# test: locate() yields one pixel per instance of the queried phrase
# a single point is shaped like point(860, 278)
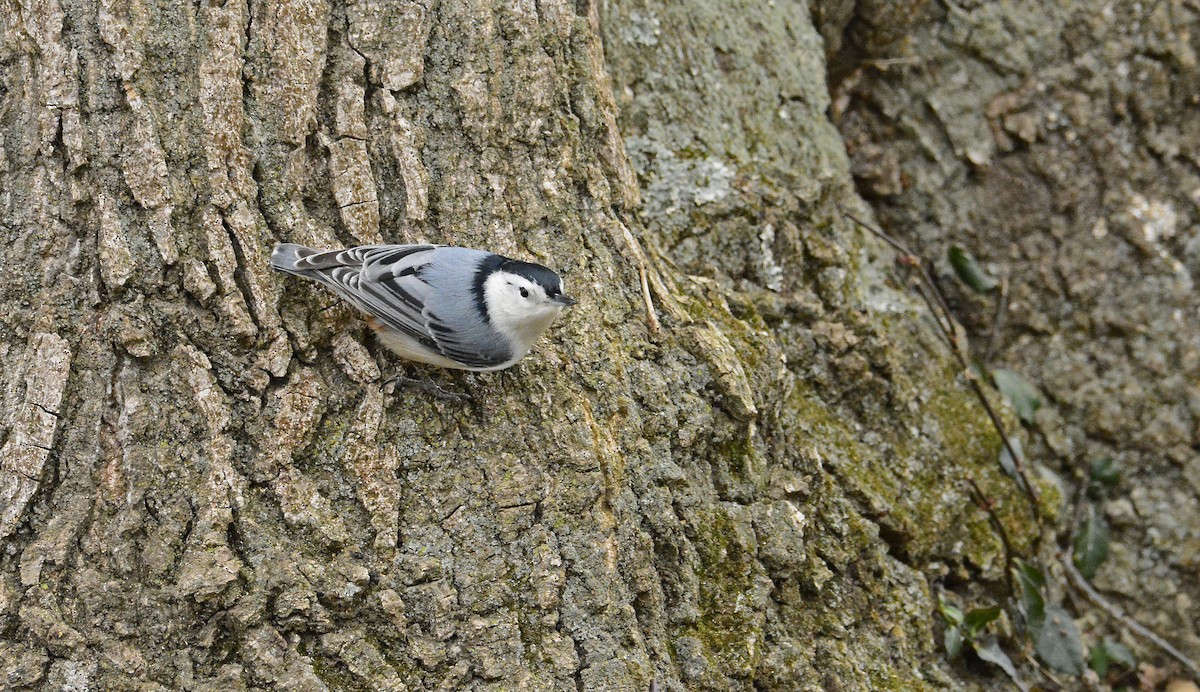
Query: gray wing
point(390, 282)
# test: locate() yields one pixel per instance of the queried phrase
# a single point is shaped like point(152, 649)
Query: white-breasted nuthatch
point(448, 306)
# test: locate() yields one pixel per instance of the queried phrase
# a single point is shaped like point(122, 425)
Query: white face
point(519, 307)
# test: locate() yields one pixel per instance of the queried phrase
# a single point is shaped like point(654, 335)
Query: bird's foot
point(428, 386)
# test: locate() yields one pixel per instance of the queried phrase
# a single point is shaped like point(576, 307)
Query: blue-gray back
point(430, 293)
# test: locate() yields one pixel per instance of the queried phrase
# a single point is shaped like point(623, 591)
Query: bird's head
point(523, 298)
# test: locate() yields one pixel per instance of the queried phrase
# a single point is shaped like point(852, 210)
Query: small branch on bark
point(940, 309)
point(988, 505)
point(1098, 599)
point(997, 320)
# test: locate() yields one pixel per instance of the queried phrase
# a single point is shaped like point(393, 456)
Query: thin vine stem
point(936, 301)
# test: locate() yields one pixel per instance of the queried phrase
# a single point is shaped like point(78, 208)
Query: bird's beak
point(563, 299)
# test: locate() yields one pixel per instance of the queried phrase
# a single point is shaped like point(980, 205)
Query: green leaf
point(950, 613)
point(1024, 397)
point(1105, 472)
point(1032, 603)
point(1006, 460)
point(1091, 543)
point(1058, 644)
point(1098, 660)
point(989, 650)
point(969, 271)
point(1104, 654)
point(1119, 653)
point(978, 618)
point(954, 641)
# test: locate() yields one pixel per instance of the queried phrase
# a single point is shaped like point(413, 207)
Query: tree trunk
point(1058, 142)
point(739, 463)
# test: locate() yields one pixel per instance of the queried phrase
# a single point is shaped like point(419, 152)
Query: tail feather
point(299, 259)
point(285, 256)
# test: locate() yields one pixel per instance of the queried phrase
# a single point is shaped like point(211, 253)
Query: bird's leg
point(470, 383)
point(425, 385)
point(466, 380)
point(506, 375)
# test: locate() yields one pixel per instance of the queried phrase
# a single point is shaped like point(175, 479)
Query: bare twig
point(1018, 460)
point(639, 257)
point(988, 505)
point(941, 332)
point(651, 313)
point(1077, 510)
point(909, 259)
point(946, 324)
point(998, 320)
point(1090, 592)
point(1115, 611)
point(888, 62)
point(1032, 660)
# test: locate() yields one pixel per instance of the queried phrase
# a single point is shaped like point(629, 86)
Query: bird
point(447, 306)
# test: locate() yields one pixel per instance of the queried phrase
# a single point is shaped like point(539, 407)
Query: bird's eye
point(524, 292)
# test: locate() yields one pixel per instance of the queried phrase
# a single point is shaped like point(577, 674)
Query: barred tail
point(285, 256)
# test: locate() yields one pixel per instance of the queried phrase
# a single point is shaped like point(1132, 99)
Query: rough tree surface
point(738, 464)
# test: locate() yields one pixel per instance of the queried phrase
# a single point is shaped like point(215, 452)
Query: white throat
point(521, 320)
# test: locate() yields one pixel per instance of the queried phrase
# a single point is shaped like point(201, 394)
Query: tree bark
point(1057, 141)
point(738, 464)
